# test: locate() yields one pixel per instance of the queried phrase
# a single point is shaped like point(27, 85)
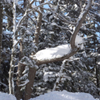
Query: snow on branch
point(52, 53)
point(58, 53)
point(79, 42)
point(62, 52)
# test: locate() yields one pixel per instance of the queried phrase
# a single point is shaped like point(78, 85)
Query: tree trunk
point(38, 26)
point(1, 16)
point(19, 93)
point(79, 23)
point(31, 77)
point(21, 67)
point(12, 63)
point(97, 76)
point(32, 71)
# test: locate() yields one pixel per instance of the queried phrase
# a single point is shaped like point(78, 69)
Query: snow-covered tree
point(48, 33)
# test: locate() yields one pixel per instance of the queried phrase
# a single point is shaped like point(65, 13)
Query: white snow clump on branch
point(59, 51)
point(79, 41)
point(52, 53)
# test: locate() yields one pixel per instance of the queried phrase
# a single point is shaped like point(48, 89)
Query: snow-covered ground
point(5, 96)
point(55, 95)
point(64, 95)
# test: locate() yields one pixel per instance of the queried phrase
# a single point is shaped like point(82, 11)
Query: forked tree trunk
point(32, 71)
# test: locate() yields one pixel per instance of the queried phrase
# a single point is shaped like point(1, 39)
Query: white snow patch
point(15, 42)
point(24, 82)
point(7, 33)
point(98, 63)
point(53, 24)
point(10, 1)
point(47, 75)
point(64, 95)
point(5, 96)
point(51, 53)
point(79, 41)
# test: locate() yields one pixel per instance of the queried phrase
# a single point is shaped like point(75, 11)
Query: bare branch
point(38, 26)
point(32, 2)
point(97, 4)
point(79, 23)
point(27, 12)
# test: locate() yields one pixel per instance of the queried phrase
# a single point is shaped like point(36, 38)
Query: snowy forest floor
point(55, 95)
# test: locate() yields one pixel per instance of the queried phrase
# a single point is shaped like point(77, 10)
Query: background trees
point(41, 24)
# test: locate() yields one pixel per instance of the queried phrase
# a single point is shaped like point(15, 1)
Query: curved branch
point(49, 55)
point(65, 51)
point(79, 23)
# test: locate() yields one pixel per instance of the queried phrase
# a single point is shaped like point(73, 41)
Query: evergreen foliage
point(47, 26)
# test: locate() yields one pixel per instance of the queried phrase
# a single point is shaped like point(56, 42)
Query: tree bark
point(31, 77)
point(20, 94)
point(79, 23)
point(12, 63)
point(1, 17)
